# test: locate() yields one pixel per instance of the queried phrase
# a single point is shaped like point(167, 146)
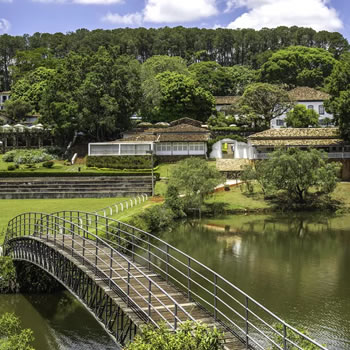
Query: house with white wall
point(311, 99)
point(184, 137)
point(4, 96)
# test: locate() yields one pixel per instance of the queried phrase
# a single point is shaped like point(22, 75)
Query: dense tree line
point(94, 81)
point(225, 46)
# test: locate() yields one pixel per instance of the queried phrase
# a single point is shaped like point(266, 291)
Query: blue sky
point(18, 17)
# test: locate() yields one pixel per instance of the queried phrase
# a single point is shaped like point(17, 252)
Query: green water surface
point(297, 265)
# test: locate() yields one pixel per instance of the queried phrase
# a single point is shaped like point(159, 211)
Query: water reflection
point(58, 320)
point(297, 265)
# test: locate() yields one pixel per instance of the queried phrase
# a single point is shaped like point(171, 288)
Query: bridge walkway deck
point(136, 285)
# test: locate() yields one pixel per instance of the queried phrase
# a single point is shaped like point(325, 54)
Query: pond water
point(59, 322)
point(297, 265)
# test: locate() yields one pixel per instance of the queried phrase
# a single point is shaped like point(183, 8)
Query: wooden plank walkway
point(135, 283)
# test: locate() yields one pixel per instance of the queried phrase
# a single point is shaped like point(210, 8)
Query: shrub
point(27, 156)
point(120, 162)
point(9, 156)
point(157, 218)
point(189, 336)
point(49, 164)
point(11, 167)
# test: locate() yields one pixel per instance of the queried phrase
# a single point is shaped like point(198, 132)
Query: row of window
point(180, 146)
point(321, 110)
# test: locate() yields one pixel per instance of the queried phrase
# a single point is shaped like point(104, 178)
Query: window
point(310, 107)
point(321, 109)
point(196, 146)
point(4, 98)
point(142, 149)
point(127, 149)
point(279, 122)
point(106, 149)
point(164, 147)
point(180, 146)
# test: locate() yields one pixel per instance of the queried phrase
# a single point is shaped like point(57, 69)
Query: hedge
point(120, 162)
point(8, 174)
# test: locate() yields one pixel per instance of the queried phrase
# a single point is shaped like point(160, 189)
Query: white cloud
point(98, 2)
point(82, 2)
point(131, 19)
point(317, 14)
point(171, 11)
point(4, 25)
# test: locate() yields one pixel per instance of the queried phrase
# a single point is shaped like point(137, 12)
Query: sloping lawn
point(9, 208)
point(235, 199)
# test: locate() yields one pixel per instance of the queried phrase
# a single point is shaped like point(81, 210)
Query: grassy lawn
point(12, 207)
point(235, 199)
point(126, 215)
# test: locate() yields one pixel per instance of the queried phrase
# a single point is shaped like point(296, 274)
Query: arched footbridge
point(127, 278)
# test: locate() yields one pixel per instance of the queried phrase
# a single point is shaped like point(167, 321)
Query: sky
point(18, 17)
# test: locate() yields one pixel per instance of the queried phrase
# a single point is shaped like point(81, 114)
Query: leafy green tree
point(298, 66)
point(17, 109)
point(296, 171)
point(223, 81)
point(180, 96)
point(12, 336)
point(94, 94)
point(302, 117)
point(189, 336)
point(263, 102)
point(339, 88)
point(221, 120)
point(7, 275)
point(174, 201)
point(258, 172)
point(150, 85)
point(8, 47)
point(29, 60)
point(240, 77)
point(195, 180)
point(30, 88)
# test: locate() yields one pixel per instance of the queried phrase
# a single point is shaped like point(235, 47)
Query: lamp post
point(151, 153)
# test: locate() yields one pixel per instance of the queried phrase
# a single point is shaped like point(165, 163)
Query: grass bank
point(9, 208)
point(237, 201)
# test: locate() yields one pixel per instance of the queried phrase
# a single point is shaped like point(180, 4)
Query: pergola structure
point(20, 136)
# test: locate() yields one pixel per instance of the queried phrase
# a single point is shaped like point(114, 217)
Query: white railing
point(331, 155)
point(339, 155)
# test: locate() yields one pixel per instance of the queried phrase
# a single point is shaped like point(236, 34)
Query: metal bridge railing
point(103, 259)
point(235, 310)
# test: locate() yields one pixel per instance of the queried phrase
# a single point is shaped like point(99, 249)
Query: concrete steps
point(86, 187)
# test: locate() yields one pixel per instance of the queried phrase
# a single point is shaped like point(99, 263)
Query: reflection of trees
point(268, 256)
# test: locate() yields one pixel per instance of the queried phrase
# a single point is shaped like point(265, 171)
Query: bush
point(49, 164)
point(189, 336)
point(27, 156)
point(11, 168)
point(156, 218)
point(120, 162)
point(9, 156)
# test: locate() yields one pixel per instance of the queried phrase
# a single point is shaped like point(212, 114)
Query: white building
point(184, 137)
point(311, 99)
point(4, 96)
point(231, 149)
